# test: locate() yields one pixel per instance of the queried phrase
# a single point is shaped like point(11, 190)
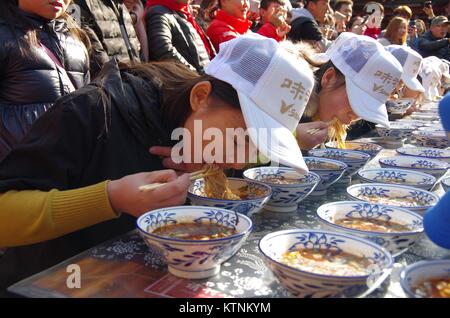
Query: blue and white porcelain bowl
point(398, 129)
point(355, 160)
point(371, 149)
point(435, 139)
point(285, 197)
point(399, 106)
point(397, 176)
point(258, 196)
point(396, 243)
point(445, 183)
point(307, 284)
point(434, 167)
point(328, 170)
point(412, 199)
point(194, 259)
point(426, 152)
point(415, 274)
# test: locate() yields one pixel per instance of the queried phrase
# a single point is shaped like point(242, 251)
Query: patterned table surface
point(124, 267)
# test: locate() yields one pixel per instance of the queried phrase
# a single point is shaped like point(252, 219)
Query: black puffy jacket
point(102, 20)
point(31, 82)
point(172, 37)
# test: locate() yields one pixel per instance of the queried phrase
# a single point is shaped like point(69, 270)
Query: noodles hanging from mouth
point(337, 132)
point(216, 184)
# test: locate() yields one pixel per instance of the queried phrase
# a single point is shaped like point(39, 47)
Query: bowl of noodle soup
point(193, 240)
point(371, 149)
point(289, 187)
point(247, 196)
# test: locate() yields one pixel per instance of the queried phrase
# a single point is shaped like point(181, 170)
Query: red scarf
point(240, 25)
point(184, 8)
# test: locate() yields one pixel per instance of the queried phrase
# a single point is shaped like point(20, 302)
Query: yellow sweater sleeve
point(28, 217)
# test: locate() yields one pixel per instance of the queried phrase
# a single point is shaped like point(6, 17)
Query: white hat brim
point(365, 106)
point(413, 83)
point(281, 145)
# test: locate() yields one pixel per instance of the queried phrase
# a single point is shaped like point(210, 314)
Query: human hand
point(253, 16)
point(429, 12)
point(278, 16)
point(125, 196)
point(359, 29)
point(283, 30)
point(311, 134)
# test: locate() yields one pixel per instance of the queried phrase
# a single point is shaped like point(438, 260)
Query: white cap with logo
point(411, 62)
point(431, 74)
point(273, 88)
point(371, 74)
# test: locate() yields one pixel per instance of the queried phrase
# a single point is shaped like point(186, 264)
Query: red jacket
point(225, 27)
point(373, 32)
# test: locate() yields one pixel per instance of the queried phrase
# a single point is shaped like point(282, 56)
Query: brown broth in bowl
point(433, 288)
point(194, 231)
point(404, 202)
point(324, 262)
point(322, 166)
point(276, 180)
point(372, 225)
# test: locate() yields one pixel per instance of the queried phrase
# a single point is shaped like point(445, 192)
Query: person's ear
point(328, 77)
point(199, 95)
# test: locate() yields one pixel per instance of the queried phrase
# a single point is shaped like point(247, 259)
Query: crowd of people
point(91, 90)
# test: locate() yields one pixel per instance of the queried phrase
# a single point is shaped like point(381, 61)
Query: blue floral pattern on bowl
point(259, 195)
point(194, 258)
point(397, 130)
point(424, 152)
point(399, 106)
point(435, 139)
point(396, 243)
point(434, 167)
point(416, 273)
point(354, 160)
point(371, 149)
point(397, 176)
point(327, 176)
point(423, 198)
point(306, 284)
point(285, 197)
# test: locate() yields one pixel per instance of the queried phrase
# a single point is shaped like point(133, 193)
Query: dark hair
point(11, 14)
point(352, 21)
point(264, 4)
point(340, 3)
point(403, 10)
point(307, 2)
point(177, 81)
point(321, 71)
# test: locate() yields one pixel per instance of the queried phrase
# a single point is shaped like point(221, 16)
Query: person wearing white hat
point(433, 71)
point(356, 81)
point(410, 86)
point(411, 62)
